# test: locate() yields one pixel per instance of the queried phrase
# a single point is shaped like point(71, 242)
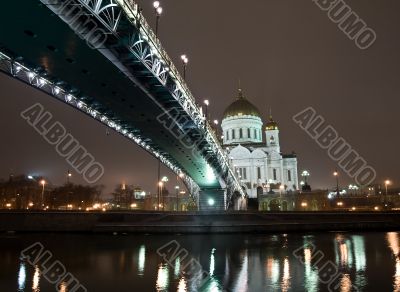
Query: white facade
point(260, 165)
point(234, 132)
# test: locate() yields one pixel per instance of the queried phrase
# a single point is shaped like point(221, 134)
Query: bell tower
point(272, 136)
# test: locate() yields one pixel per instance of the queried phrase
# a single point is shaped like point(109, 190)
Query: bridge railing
point(133, 11)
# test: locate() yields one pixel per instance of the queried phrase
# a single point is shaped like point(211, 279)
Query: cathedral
point(259, 163)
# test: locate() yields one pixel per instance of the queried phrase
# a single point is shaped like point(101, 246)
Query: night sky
point(289, 56)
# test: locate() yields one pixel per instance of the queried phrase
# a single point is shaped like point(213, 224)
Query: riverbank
point(195, 222)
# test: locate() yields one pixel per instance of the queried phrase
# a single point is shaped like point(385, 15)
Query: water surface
point(281, 262)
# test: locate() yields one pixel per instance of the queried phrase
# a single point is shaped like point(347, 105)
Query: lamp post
point(43, 183)
point(163, 181)
point(160, 185)
point(281, 189)
point(387, 182)
point(216, 123)
point(185, 61)
point(69, 175)
point(177, 196)
point(305, 174)
point(207, 103)
point(336, 174)
point(179, 176)
point(158, 10)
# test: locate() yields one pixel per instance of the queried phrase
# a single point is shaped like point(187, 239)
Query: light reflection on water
point(393, 242)
point(21, 277)
point(162, 278)
point(141, 260)
point(366, 261)
point(36, 280)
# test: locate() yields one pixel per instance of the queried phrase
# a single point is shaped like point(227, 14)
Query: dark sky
point(289, 56)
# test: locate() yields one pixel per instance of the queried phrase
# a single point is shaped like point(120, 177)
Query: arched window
point(255, 134)
point(227, 135)
point(233, 134)
point(240, 133)
point(274, 173)
point(248, 133)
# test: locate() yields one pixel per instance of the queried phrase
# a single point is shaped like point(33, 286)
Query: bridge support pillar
point(212, 200)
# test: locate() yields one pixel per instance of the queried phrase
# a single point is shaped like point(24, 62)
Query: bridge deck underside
point(31, 31)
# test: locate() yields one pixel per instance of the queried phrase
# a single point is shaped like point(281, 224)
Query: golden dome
point(271, 124)
point(241, 107)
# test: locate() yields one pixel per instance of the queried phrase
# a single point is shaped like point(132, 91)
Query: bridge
point(102, 58)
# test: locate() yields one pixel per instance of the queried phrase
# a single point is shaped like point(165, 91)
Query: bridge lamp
point(211, 202)
point(207, 103)
point(185, 60)
point(164, 179)
point(181, 175)
point(30, 177)
point(158, 10)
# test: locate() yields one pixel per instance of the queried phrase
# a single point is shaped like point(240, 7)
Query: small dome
point(241, 107)
point(271, 124)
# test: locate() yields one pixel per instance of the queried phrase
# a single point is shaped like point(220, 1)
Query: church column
point(252, 177)
point(266, 174)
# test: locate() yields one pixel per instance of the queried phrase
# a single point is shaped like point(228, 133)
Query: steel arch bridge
point(102, 58)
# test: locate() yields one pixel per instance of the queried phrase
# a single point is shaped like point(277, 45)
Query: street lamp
point(336, 174)
point(158, 10)
point(69, 175)
point(387, 182)
point(216, 123)
point(207, 103)
point(185, 60)
point(305, 174)
point(177, 197)
point(163, 181)
point(160, 185)
point(43, 183)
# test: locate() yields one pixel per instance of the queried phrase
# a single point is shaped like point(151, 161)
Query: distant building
point(261, 166)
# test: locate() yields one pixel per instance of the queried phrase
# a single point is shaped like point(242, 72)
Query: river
point(343, 261)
